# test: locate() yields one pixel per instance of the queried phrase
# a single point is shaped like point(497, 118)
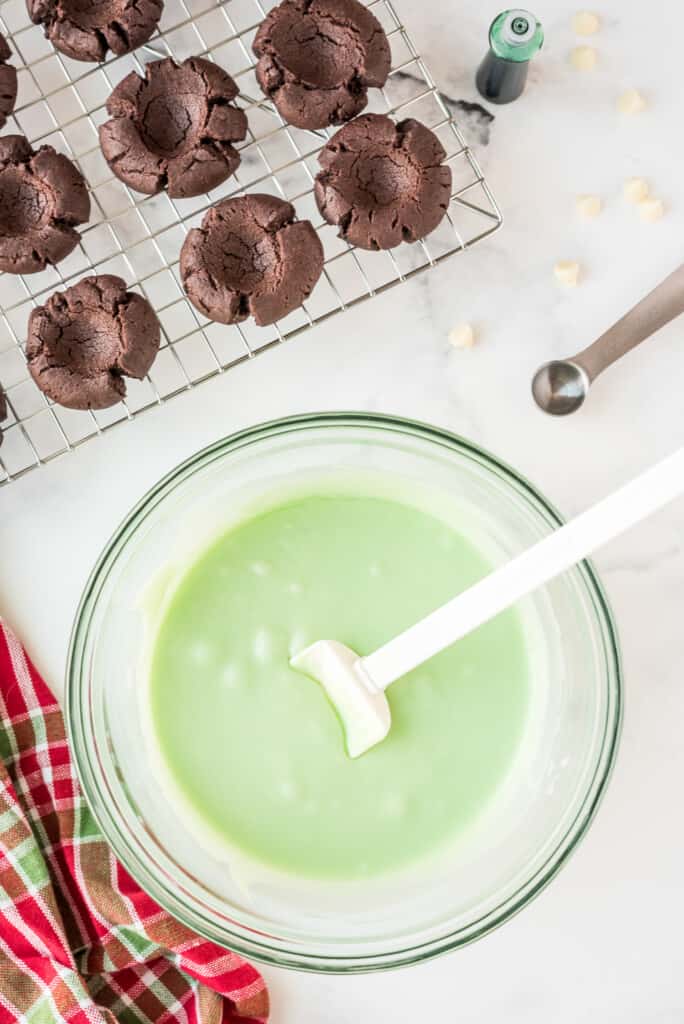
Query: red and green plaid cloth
point(79, 941)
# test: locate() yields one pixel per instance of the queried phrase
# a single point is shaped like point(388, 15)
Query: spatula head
point(363, 711)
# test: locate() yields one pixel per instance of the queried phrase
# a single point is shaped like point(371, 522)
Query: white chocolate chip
point(631, 102)
point(567, 272)
point(583, 58)
point(651, 210)
point(635, 190)
point(588, 207)
point(462, 336)
point(586, 23)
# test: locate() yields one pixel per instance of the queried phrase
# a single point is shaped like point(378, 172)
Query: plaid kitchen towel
point(79, 941)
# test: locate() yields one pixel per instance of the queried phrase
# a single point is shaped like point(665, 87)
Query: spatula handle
point(553, 555)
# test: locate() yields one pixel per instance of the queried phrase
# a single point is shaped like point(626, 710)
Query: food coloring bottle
point(514, 38)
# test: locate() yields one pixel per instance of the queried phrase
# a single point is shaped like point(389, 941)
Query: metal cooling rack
point(62, 102)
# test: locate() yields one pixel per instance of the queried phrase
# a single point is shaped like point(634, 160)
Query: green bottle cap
point(516, 35)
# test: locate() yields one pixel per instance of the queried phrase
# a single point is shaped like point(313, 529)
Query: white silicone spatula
point(356, 685)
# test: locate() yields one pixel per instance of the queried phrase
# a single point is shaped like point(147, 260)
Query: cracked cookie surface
point(8, 82)
point(85, 340)
point(383, 183)
point(88, 29)
point(318, 58)
point(174, 129)
point(250, 258)
point(42, 198)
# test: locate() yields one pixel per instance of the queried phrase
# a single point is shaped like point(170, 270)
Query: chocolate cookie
point(3, 410)
point(85, 340)
point(174, 128)
point(383, 183)
point(249, 258)
point(317, 59)
point(8, 82)
point(87, 29)
point(42, 197)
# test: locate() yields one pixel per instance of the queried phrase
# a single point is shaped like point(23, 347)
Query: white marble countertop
point(603, 943)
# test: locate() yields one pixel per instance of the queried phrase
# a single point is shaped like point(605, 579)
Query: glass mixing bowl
point(499, 864)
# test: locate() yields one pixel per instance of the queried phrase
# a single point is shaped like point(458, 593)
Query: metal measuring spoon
point(560, 387)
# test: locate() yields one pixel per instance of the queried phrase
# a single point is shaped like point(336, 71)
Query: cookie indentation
point(318, 58)
point(84, 341)
point(24, 201)
point(42, 198)
point(383, 183)
point(250, 258)
point(174, 129)
point(88, 29)
point(8, 82)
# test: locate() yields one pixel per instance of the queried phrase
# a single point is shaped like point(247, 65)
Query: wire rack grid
point(61, 102)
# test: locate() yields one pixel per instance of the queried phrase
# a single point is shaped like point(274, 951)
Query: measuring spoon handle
point(655, 310)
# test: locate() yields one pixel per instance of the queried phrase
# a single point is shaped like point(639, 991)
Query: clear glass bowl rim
point(86, 757)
